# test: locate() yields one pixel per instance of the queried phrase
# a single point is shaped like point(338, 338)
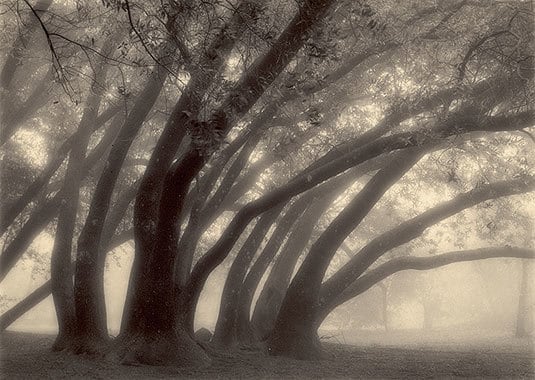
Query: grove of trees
point(309, 145)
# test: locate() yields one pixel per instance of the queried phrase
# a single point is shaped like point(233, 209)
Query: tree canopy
point(321, 144)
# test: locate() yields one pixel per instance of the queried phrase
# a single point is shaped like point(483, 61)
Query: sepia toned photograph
point(267, 189)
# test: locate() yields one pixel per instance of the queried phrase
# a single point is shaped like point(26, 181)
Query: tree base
point(92, 345)
point(296, 345)
point(159, 348)
point(63, 342)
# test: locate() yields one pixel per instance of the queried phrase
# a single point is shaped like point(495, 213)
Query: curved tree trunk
point(245, 332)
point(272, 294)
point(399, 264)
point(339, 284)
point(225, 333)
point(297, 315)
point(90, 258)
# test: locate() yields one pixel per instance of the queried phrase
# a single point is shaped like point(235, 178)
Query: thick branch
point(399, 264)
point(414, 227)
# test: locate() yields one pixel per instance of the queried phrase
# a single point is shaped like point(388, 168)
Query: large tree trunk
point(297, 315)
point(147, 205)
point(153, 256)
point(90, 258)
point(157, 336)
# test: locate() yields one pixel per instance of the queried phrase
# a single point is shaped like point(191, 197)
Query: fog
point(267, 189)
point(466, 302)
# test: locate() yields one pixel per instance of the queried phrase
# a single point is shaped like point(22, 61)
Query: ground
point(371, 355)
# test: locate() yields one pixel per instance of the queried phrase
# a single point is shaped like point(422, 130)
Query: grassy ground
point(373, 355)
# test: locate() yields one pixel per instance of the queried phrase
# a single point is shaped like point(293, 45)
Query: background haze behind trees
point(299, 164)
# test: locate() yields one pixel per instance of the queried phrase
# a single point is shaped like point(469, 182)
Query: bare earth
point(27, 356)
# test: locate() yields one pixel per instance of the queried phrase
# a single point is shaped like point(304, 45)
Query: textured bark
point(157, 336)
point(90, 258)
point(302, 298)
point(60, 266)
point(147, 205)
point(250, 87)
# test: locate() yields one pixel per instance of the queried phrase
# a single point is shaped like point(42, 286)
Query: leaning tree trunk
point(245, 332)
point(108, 242)
point(270, 298)
point(294, 334)
point(60, 269)
point(90, 258)
point(45, 212)
point(225, 333)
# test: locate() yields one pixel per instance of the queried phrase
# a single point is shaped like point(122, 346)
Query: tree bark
point(90, 258)
point(297, 314)
point(60, 266)
point(149, 196)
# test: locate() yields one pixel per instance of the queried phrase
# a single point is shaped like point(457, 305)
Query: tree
point(294, 122)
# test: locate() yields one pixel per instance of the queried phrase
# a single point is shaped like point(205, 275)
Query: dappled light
point(267, 189)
